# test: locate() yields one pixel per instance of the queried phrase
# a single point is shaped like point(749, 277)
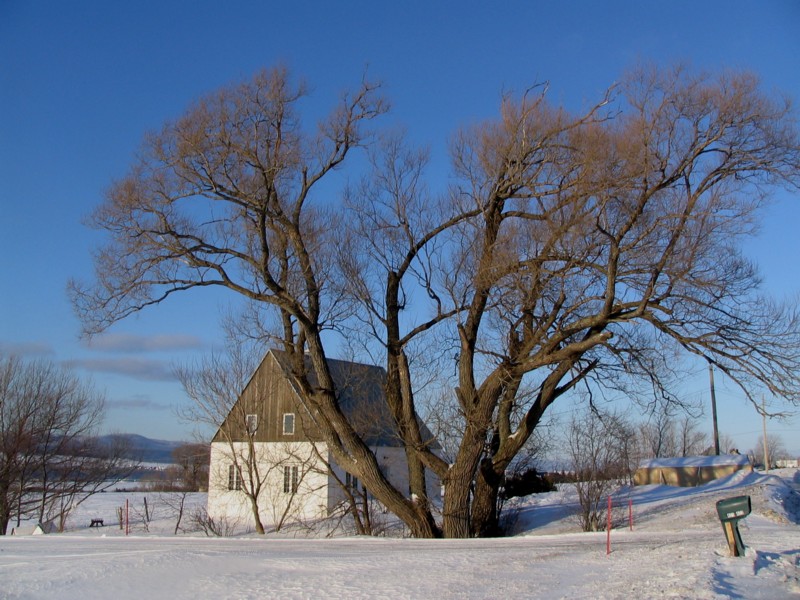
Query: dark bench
point(97, 523)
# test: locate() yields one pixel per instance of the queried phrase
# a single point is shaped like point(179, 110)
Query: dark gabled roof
point(360, 392)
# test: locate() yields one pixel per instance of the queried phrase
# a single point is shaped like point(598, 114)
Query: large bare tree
point(570, 251)
point(622, 246)
point(585, 249)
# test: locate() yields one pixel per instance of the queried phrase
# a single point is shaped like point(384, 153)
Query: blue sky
point(81, 82)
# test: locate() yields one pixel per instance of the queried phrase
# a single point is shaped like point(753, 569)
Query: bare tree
point(666, 434)
point(776, 450)
point(597, 447)
point(726, 443)
point(604, 245)
point(570, 251)
point(243, 156)
point(192, 461)
point(214, 385)
point(658, 436)
point(72, 472)
point(219, 527)
point(175, 504)
point(690, 441)
point(50, 459)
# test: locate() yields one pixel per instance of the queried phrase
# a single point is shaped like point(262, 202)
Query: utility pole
point(764, 436)
point(713, 407)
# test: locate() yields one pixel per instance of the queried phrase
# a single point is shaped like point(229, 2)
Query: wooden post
point(730, 534)
point(764, 426)
point(630, 513)
point(713, 407)
point(608, 529)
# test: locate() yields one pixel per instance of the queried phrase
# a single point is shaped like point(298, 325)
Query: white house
point(267, 449)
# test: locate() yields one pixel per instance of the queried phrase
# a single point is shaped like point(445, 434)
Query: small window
point(234, 478)
point(351, 482)
point(252, 423)
point(290, 479)
point(288, 424)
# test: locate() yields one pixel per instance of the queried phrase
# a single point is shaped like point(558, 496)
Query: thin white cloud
point(132, 343)
point(137, 368)
point(27, 348)
point(137, 402)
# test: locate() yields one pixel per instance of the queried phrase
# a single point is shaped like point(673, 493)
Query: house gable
point(273, 392)
point(360, 393)
point(268, 396)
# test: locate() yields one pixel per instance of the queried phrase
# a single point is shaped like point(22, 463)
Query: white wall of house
point(392, 462)
point(317, 492)
point(304, 498)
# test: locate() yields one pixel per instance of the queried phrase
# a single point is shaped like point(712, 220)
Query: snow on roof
point(695, 461)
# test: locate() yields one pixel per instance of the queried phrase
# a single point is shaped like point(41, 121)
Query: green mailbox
point(731, 511)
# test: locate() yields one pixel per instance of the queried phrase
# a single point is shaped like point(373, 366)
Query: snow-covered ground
point(676, 550)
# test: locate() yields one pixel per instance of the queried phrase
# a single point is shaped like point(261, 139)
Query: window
point(234, 478)
point(385, 466)
point(290, 479)
point(252, 423)
point(288, 424)
point(351, 482)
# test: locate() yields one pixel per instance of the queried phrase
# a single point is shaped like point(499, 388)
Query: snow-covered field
point(676, 550)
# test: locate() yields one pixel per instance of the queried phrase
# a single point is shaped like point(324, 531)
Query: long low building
point(689, 471)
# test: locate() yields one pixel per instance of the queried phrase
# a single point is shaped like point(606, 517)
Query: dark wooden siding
point(269, 395)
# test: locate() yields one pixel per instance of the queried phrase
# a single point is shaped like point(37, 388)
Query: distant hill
point(143, 448)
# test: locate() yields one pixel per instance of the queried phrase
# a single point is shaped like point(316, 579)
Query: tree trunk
point(5, 507)
point(256, 515)
point(5, 517)
point(422, 527)
point(400, 399)
point(458, 485)
point(418, 519)
point(348, 449)
point(455, 511)
point(416, 469)
point(485, 518)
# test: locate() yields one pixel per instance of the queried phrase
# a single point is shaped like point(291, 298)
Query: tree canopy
point(570, 250)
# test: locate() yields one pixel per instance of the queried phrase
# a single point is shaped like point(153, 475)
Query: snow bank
point(676, 550)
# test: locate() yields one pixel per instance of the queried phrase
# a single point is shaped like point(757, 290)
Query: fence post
point(608, 528)
point(630, 513)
